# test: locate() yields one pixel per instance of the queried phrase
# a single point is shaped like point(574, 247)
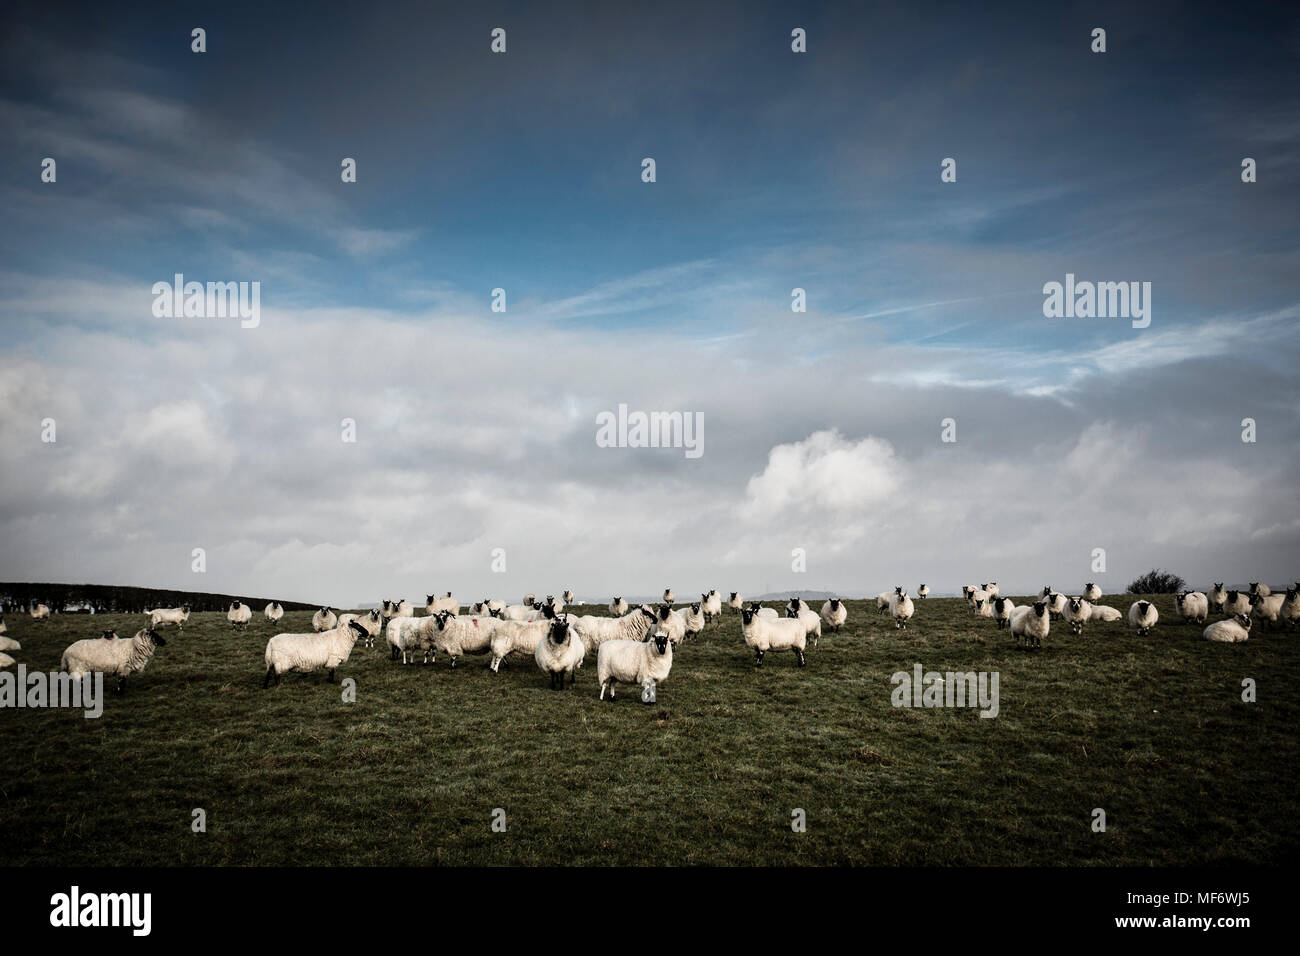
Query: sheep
point(618, 607)
point(1002, 608)
point(1056, 604)
point(3, 627)
point(811, 622)
point(736, 602)
point(834, 613)
point(515, 636)
point(6, 660)
point(594, 631)
point(901, 608)
point(1232, 630)
point(1238, 602)
point(1291, 606)
point(764, 612)
point(520, 612)
point(634, 662)
point(40, 612)
point(1091, 593)
point(1267, 606)
point(1143, 616)
point(9, 644)
point(110, 654)
point(386, 610)
point(1218, 597)
point(560, 653)
point(458, 635)
point(923, 591)
point(371, 620)
point(984, 606)
point(169, 615)
point(304, 653)
point(966, 590)
point(768, 634)
point(529, 600)
point(567, 597)
point(1046, 591)
point(495, 607)
point(979, 594)
point(325, 620)
point(1078, 611)
point(555, 604)
point(882, 601)
point(433, 604)
point(668, 596)
point(403, 608)
point(991, 589)
point(239, 614)
point(797, 605)
point(1105, 614)
point(274, 611)
point(1192, 605)
point(671, 623)
point(693, 620)
point(1262, 590)
point(406, 635)
point(711, 605)
point(1030, 623)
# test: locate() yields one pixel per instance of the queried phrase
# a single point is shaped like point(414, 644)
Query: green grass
point(1153, 730)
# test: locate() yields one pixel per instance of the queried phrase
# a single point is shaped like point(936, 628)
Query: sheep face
point(747, 615)
point(1076, 604)
point(835, 604)
point(235, 605)
point(156, 638)
point(1244, 620)
point(559, 632)
point(661, 642)
point(186, 608)
point(442, 617)
point(734, 595)
point(979, 604)
point(108, 635)
point(1143, 607)
point(1040, 608)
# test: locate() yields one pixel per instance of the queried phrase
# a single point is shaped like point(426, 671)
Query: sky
point(476, 430)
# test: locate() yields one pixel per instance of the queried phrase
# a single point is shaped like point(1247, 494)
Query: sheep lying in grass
point(1218, 597)
point(923, 591)
point(1192, 605)
point(410, 637)
point(773, 634)
point(736, 602)
point(40, 612)
point(1030, 623)
point(1267, 607)
point(515, 637)
point(835, 614)
point(458, 635)
point(371, 620)
point(1091, 593)
point(560, 653)
point(711, 605)
point(1142, 616)
point(1002, 608)
point(1104, 614)
point(9, 644)
point(239, 614)
point(316, 651)
point(901, 608)
point(618, 607)
point(647, 663)
point(110, 654)
point(594, 631)
point(811, 621)
point(169, 615)
point(274, 611)
point(324, 620)
point(1232, 630)
point(1237, 602)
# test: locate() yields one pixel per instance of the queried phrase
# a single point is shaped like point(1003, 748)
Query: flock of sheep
point(634, 645)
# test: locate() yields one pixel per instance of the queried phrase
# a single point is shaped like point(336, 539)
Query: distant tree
point(1156, 581)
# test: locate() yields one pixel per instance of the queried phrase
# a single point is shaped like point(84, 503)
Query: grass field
point(1153, 730)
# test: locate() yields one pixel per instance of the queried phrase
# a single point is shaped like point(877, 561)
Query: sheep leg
point(121, 685)
point(758, 658)
point(266, 681)
point(799, 654)
point(330, 679)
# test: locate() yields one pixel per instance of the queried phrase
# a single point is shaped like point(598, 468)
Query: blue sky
point(775, 170)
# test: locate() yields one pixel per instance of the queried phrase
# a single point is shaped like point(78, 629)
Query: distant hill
point(122, 599)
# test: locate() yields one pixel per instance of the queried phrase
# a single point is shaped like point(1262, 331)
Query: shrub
point(1156, 581)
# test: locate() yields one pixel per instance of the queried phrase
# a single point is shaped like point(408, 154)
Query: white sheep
point(6, 660)
point(458, 635)
point(274, 611)
point(618, 607)
point(1267, 606)
point(530, 600)
point(671, 623)
point(692, 617)
point(647, 663)
point(1232, 630)
point(1218, 597)
point(1002, 608)
point(1046, 591)
point(371, 620)
point(882, 601)
point(736, 602)
point(901, 608)
point(239, 614)
point(1055, 604)
point(991, 589)
point(1078, 611)
point(495, 607)
point(405, 636)
point(1142, 616)
point(110, 654)
point(403, 608)
point(923, 591)
point(3, 627)
point(594, 631)
point(520, 612)
point(516, 637)
point(40, 612)
point(811, 621)
point(1091, 593)
point(835, 613)
point(433, 604)
point(711, 605)
point(1105, 614)
point(9, 644)
point(763, 612)
point(1237, 602)
point(1192, 605)
point(324, 620)
point(567, 596)
point(984, 605)
point(169, 615)
point(314, 651)
point(1030, 623)
point(560, 653)
point(1291, 606)
point(773, 634)
point(978, 594)
point(1262, 590)
point(554, 604)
